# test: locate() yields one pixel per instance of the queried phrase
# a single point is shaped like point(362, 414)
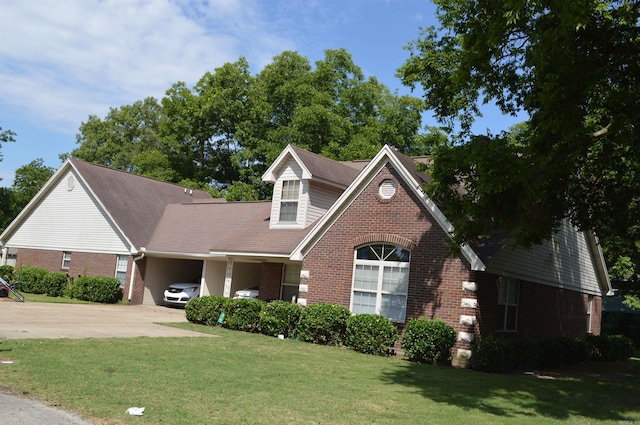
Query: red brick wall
point(435, 281)
point(138, 284)
point(82, 264)
point(543, 311)
point(270, 281)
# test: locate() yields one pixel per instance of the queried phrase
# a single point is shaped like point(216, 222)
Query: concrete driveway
point(44, 320)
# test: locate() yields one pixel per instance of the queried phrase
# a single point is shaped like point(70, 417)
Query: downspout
point(133, 275)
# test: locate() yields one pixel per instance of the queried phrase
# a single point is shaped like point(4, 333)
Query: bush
point(205, 310)
point(610, 348)
point(428, 341)
point(100, 289)
point(494, 355)
point(8, 273)
point(371, 334)
point(279, 317)
point(31, 280)
point(243, 314)
point(323, 323)
point(55, 283)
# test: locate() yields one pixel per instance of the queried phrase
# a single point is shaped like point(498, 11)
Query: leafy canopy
point(572, 66)
point(222, 133)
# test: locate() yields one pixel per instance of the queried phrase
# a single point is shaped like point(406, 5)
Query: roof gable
point(132, 203)
point(407, 170)
point(316, 167)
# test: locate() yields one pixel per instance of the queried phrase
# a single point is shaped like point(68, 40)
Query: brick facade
point(270, 280)
point(440, 286)
point(81, 264)
point(435, 280)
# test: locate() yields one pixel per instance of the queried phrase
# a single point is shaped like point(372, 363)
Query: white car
point(179, 294)
point(252, 292)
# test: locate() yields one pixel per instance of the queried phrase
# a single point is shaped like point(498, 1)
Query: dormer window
point(289, 201)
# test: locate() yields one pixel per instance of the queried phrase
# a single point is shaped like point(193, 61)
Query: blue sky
point(61, 61)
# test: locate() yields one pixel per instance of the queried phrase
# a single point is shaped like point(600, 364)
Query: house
point(362, 234)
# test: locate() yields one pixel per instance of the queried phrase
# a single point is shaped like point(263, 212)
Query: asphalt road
point(44, 320)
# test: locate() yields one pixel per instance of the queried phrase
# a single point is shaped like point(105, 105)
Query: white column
point(227, 278)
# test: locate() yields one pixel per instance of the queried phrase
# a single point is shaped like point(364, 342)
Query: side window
point(66, 259)
point(290, 282)
point(121, 268)
point(381, 281)
point(508, 292)
point(289, 201)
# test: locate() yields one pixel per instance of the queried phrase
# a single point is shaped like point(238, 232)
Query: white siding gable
point(290, 171)
point(321, 198)
point(68, 218)
point(564, 262)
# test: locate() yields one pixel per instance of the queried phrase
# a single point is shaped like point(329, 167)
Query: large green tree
point(222, 133)
point(573, 67)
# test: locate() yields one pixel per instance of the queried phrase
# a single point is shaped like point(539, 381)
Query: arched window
point(380, 281)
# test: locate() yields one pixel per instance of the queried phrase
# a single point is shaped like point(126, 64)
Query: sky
point(62, 61)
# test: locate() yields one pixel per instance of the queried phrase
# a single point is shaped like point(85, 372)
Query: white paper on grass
point(135, 411)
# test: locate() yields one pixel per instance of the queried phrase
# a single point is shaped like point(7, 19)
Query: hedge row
point(34, 280)
point(494, 354)
point(326, 324)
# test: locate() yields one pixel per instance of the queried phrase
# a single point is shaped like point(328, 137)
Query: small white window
point(121, 268)
point(589, 313)
point(508, 291)
point(66, 259)
point(289, 201)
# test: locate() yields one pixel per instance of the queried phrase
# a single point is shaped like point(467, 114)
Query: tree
point(6, 136)
point(28, 180)
point(222, 134)
point(573, 67)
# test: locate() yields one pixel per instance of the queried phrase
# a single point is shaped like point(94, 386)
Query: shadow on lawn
point(600, 396)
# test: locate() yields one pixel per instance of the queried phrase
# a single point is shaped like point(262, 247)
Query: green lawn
point(247, 378)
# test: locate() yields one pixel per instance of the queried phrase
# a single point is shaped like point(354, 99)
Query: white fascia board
point(385, 155)
point(256, 255)
point(104, 210)
point(600, 264)
point(269, 176)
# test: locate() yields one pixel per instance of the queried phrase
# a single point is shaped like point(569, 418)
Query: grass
point(253, 379)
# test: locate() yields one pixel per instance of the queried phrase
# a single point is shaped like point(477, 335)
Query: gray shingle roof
point(134, 202)
point(342, 173)
point(243, 227)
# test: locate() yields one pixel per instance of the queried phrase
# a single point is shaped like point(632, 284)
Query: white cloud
point(61, 61)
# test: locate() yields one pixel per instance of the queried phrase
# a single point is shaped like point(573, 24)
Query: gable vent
point(387, 189)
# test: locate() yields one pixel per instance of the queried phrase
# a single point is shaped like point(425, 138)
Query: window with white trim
point(66, 259)
point(290, 282)
point(508, 292)
point(589, 313)
point(289, 201)
point(381, 281)
point(121, 268)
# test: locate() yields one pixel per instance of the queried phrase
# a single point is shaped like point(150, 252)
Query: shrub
point(7, 273)
point(371, 334)
point(279, 317)
point(610, 348)
point(323, 323)
point(100, 289)
point(31, 280)
point(525, 354)
point(55, 283)
point(428, 341)
point(243, 314)
point(205, 310)
point(492, 354)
